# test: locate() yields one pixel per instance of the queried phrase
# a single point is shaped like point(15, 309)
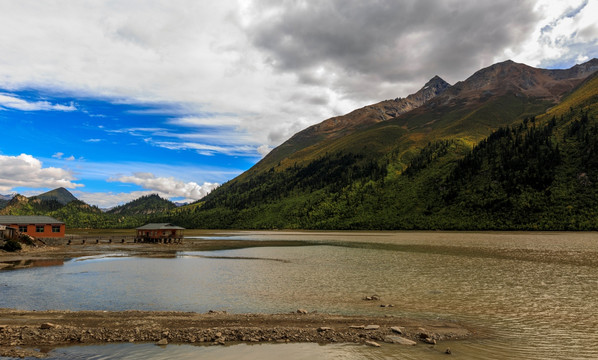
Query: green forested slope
point(530, 173)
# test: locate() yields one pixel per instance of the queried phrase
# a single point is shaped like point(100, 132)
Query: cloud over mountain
point(25, 170)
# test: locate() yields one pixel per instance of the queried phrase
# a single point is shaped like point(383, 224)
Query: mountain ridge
point(359, 180)
point(342, 125)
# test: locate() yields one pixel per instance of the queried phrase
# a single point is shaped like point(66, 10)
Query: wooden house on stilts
point(163, 233)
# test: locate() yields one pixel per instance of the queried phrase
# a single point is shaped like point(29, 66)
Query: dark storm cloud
point(360, 44)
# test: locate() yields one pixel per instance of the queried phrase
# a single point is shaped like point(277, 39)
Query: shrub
point(12, 246)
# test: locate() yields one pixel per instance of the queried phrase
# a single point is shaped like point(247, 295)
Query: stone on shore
point(398, 330)
point(372, 343)
point(162, 342)
point(372, 327)
point(394, 339)
point(45, 326)
point(429, 341)
point(301, 311)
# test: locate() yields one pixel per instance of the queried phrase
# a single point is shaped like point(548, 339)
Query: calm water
point(537, 294)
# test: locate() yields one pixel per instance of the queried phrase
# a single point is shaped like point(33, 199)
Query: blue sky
point(115, 100)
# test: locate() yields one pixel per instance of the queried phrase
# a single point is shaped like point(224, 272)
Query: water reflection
point(535, 302)
point(30, 263)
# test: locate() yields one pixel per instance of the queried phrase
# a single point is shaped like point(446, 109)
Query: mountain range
point(380, 168)
point(510, 147)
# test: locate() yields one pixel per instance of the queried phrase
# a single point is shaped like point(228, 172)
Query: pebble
point(357, 326)
point(47, 326)
point(394, 339)
point(301, 311)
point(324, 328)
point(429, 341)
point(372, 327)
point(372, 343)
point(398, 330)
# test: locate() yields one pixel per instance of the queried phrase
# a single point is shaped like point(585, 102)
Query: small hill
point(145, 205)
point(21, 205)
point(61, 195)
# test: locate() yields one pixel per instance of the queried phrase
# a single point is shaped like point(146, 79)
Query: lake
point(535, 295)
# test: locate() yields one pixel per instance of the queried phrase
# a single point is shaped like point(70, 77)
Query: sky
point(116, 99)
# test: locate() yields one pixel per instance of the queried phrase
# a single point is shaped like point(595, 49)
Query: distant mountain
point(21, 205)
point(4, 199)
point(145, 205)
point(7, 197)
point(511, 147)
point(61, 195)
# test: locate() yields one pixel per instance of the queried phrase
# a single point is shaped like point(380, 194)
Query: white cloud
point(58, 155)
point(26, 171)
point(216, 121)
point(268, 69)
point(264, 149)
point(169, 187)
point(567, 33)
point(11, 102)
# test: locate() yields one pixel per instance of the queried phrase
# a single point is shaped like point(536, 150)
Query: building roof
point(160, 226)
point(27, 220)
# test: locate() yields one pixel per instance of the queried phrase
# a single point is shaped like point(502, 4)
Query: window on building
point(22, 228)
point(39, 228)
point(55, 228)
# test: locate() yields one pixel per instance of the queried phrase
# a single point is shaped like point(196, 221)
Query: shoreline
point(24, 331)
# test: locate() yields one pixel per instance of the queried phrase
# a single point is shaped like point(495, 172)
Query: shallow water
point(535, 294)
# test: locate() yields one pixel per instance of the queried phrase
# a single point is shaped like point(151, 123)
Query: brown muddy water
point(534, 295)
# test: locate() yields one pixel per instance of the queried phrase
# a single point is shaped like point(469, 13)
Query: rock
point(162, 342)
point(448, 351)
point(324, 328)
point(47, 326)
point(386, 305)
point(357, 327)
point(429, 341)
point(372, 298)
point(301, 311)
point(423, 333)
point(394, 339)
point(372, 327)
point(372, 343)
point(398, 330)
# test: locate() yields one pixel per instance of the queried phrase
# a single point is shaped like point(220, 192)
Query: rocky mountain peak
point(431, 89)
point(521, 80)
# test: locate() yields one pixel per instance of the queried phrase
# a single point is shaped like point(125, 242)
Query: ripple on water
point(533, 306)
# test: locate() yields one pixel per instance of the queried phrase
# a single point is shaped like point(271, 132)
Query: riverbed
point(534, 294)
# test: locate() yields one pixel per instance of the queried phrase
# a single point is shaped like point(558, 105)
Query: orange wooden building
point(36, 226)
